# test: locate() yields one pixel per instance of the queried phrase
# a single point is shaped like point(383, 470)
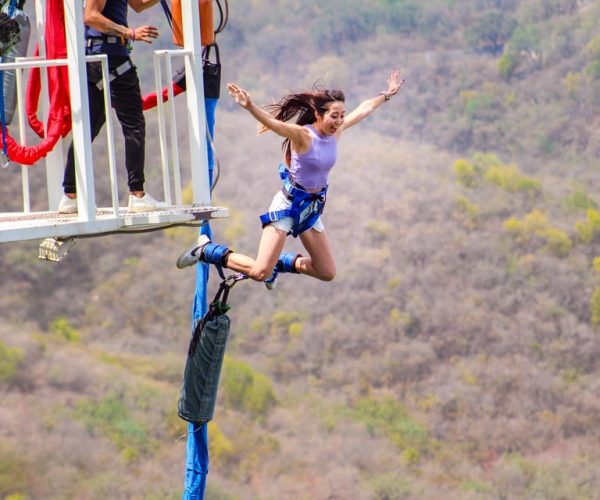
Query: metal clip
point(231, 280)
point(219, 303)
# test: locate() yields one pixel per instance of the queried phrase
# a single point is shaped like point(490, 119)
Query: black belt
point(93, 42)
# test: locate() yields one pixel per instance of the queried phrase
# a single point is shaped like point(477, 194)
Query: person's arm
point(92, 16)
point(367, 107)
point(298, 135)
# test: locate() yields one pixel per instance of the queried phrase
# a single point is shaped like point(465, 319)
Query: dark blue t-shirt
point(116, 11)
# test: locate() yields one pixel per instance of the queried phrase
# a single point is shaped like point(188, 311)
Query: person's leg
point(269, 249)
point(321, 263)
point(97, 119)
point(127, 100)
point(259, 269)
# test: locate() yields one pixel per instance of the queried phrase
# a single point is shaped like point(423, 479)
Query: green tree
point(490, 31)
point(592, 50)
point(342, 22)
point(465, 173)
point(245, 389)
point(525, 39)
point(595, 307)
point(62, 328)
point(535, 225)
point(10, 359)
point(507, 64)
point(389, 417)
point(112, 417)
point(588, 229)
point(402, 16)
point(14, 472)
point(510, 178)
point(467, 211)
point(579, 200)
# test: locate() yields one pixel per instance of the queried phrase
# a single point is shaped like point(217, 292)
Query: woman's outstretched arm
point(367, 107)
point(298, 135)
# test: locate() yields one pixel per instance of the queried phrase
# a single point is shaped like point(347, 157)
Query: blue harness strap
point(168, 13)
point(306, 207)
point(12, 6)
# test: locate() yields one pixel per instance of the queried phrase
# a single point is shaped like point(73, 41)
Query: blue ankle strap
point(213, 253)
point(286, 261)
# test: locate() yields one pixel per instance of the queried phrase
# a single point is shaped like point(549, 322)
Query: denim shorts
point(280, 202)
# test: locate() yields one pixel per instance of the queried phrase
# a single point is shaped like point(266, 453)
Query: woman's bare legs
point(321, 263)
point(261, 268)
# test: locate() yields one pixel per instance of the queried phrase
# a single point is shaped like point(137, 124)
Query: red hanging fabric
point(150, 100)
point(59, 117)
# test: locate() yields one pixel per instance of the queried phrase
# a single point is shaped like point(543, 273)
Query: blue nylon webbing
point(197, 459)
point(168, 13)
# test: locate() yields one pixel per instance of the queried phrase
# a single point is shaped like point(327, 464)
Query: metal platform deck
point(40, 225)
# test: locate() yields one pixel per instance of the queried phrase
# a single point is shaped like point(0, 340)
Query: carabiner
point(232, 279)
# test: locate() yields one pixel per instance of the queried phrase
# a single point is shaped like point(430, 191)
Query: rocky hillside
point(456, 353)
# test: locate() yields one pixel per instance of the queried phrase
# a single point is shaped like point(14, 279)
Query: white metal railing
point(110, 136)
point(22, 136)
point(81, 132)
point(19, 66)
point(162, 63)
point(167, 56)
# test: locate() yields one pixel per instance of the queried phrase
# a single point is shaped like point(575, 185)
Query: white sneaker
point(193, 254)
point(67, 205)
point(144, 204)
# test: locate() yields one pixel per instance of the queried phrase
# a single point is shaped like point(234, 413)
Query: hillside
point(456, 353)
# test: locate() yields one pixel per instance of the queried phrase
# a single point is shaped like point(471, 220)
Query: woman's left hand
point(394, 82)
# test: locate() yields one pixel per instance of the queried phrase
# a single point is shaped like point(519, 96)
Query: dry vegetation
point(456, 353)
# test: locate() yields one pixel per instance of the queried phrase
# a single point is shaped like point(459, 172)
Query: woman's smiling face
point(333, 118)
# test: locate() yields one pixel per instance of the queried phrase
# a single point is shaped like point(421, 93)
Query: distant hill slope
point(518, 77)
point(455, 355)
point(444, 344)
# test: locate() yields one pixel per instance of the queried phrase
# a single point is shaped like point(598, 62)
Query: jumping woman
point(310, 147)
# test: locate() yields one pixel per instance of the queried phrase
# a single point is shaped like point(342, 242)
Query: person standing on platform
point(107, 32)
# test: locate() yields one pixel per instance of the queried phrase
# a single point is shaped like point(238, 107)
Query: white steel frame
point(87, 221)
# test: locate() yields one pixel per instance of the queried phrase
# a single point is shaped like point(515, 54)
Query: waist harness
point(106, 40)
point(108, 44)
point(115, 73)
point(306, 207)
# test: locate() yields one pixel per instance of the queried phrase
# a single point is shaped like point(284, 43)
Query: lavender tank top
point(311, 169)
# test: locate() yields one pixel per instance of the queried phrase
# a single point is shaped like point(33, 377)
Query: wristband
point(386, 95)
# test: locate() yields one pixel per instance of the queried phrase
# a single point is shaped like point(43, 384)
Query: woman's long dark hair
point(303, 105)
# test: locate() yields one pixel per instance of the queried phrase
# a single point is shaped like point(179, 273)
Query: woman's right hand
point(239, 95)
point(144, 34)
